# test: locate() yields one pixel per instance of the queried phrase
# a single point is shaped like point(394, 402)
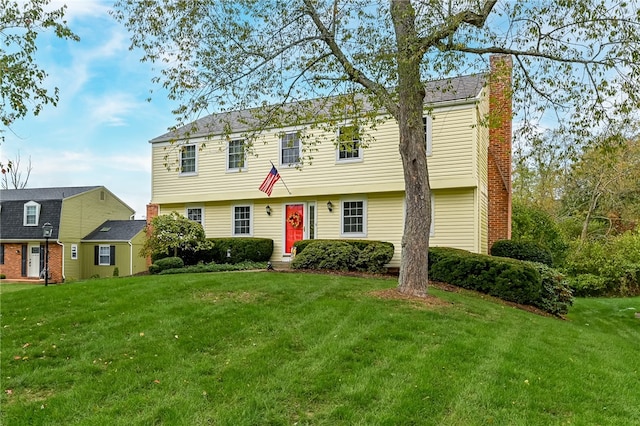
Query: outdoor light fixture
point(229, 253)
point(47, 230)
point(268, 208)
point(329, 206)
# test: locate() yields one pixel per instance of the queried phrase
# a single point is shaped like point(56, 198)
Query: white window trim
point(280, 146)
point(186, 213)
point(237, 169)
point(233, 220)
point(428, 133)
point(357, 159)
point(364, 218)
point(24, 218)
point(195, 171)
point(74, 252)
point(100, 247)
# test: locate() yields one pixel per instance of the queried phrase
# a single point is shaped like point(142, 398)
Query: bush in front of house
point(556, 296)
point(507, 279)
point(331, 255)
point(166, 263)
point(522, 250)
point(239, 250)
point(343, 255)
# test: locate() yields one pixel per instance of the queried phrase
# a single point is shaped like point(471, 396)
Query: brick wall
point(12, 267)
point(499, 158)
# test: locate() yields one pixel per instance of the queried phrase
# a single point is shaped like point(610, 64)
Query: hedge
point(507, 279)
point(343, 255)
point(240, 250)
point(522, 250)
point(166, 263)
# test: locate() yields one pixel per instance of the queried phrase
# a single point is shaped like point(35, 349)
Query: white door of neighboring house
point(34, 261)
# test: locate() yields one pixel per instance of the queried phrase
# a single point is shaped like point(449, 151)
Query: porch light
point(268, 208)
point(329, 206)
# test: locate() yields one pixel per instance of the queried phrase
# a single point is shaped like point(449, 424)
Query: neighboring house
point(348, 192)
point(74, 213)
point(114, 244)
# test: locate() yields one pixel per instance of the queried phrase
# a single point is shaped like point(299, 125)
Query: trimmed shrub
point(522, 250)
point(240, 250)
point(373, 257)
point(556, 296)
point(507, 279)
point(365, 255)
point(166, 263)
point(332, 255)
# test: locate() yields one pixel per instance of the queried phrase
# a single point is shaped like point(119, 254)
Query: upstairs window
point(31, 214)
point(188, 159)
point(427, 123)
point(290, 149)
point(349, 148)
point(236, 156)
point(74, 252)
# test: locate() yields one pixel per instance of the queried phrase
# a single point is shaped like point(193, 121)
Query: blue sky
point(99, 132)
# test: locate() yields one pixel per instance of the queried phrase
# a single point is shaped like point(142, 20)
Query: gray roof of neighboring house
point(116, 230)
point(40, 194)
point(438, 91)
point(12, 219)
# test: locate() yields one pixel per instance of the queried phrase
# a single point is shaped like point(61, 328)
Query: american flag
point(270, 181)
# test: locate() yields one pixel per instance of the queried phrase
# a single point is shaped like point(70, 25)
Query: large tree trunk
point(415, 240)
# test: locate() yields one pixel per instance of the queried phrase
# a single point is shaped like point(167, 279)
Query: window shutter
point(96, 255)
point(112, 255)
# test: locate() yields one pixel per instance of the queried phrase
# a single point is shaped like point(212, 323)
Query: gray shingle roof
point(438, 91)
point(116, 230)
point(12, 220)
point(40, 194)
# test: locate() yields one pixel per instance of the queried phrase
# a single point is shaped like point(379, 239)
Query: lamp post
point(47, 230)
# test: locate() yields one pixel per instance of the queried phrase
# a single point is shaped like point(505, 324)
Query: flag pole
point(282, 180)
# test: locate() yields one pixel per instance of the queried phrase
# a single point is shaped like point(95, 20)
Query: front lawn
point(254, 348)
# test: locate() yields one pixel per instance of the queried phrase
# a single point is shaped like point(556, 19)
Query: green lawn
point(257, 348)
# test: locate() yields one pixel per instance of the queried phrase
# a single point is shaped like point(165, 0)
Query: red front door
point(294, 225)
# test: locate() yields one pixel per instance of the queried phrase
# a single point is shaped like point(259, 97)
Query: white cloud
point(112, 109)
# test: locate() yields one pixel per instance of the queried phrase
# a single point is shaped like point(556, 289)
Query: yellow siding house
point(346, 192)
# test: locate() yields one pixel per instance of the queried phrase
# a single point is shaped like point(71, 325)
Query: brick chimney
point(499, 155)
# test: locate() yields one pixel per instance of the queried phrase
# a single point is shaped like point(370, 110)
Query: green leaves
point(21, 79)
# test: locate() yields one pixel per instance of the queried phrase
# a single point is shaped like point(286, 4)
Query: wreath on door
point(294, 219)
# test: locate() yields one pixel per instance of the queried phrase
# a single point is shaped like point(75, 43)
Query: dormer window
point(31, 214)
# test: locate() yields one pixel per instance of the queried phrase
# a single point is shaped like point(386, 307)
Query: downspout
point(64, 278)
point(130, 257)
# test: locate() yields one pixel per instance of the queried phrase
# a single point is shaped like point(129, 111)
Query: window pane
point(105, 255)
point(349, 143)
point(195, 215)
point(31, 215)
point(188, 159)
point(290, 148)
point(242, 220)
point(353, 217)
point(236, 154)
